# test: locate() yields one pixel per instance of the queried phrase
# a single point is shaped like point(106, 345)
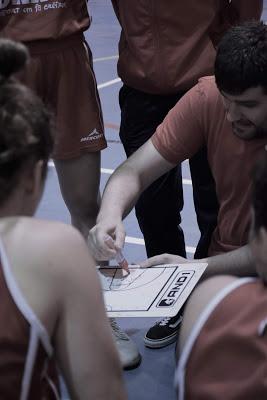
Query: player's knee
point(85, 210)
point(83, 205)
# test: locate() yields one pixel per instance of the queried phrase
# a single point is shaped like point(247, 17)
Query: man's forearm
point(237, 262)
point(130, 179)
point(120, 194)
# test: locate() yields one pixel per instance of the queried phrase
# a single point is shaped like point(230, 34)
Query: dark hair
point(259, 193)
point(241, 60)
point(26, 129)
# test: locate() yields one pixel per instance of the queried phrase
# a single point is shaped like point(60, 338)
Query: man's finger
point(150, 262)
point(120, 238)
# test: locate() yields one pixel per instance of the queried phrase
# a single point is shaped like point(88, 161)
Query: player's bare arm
point(238, 262)
point(85, 346)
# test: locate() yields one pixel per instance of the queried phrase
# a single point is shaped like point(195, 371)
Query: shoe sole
point(135, 363)
point(159, 343)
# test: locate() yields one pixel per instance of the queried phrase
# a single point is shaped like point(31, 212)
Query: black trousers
point(158, 208)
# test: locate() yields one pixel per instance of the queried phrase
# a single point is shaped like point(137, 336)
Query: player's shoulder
point(216, 283)
point(206, 98)
point(202, 96)
point(50, 232)
point(50, 256)
point(50, 242)
point(207, 291)
point(206, 86)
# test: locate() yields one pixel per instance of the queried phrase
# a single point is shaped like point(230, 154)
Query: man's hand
point(103, 249)
point(164, 259)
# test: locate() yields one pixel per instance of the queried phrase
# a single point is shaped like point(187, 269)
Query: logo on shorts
point(94, 135)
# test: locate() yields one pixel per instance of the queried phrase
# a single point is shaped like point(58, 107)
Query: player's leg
point(70, 88)
point(79, 183)
point(165, 332)
point(158, 208)
point(79, 133)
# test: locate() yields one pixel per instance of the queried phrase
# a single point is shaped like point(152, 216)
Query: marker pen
point(121, 260)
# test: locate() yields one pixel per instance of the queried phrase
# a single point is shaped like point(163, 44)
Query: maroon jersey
point(25, 349)
point(26, 20)
point(225, 354)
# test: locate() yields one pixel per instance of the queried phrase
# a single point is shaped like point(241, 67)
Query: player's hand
point(163, 259)
point(103, 249)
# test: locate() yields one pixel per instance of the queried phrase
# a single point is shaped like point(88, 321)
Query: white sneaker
point(127, 349)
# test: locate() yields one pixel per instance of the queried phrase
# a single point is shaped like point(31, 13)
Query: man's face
point(247, 113)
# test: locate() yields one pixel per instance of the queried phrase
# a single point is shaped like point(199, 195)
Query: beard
point(249, 131)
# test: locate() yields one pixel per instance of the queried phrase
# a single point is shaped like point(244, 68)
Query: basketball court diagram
point(157, 291)
point(114, 278)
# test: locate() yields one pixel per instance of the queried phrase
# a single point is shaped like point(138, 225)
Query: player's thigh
point(74, 98)
point(197, 302)
point(79, 178)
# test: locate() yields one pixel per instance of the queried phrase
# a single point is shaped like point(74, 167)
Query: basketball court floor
point(153, 379)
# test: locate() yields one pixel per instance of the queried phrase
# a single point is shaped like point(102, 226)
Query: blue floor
point(154, 378)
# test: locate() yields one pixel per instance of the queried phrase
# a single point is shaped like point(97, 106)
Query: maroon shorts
point(225, 356)
point(61, 73)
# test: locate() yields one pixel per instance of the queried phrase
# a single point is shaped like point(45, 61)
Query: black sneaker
point(164, 332)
